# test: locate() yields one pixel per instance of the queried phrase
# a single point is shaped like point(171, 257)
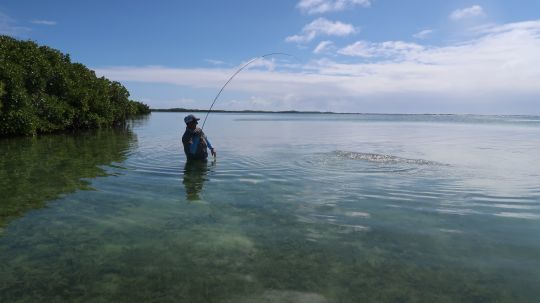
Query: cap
point(190, 118)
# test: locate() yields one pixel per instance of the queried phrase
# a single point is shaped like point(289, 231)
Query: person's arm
point(210, 146)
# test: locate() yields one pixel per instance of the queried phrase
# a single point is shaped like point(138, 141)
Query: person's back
point(194, 141)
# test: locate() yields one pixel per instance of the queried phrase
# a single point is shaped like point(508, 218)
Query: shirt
point(195, 144)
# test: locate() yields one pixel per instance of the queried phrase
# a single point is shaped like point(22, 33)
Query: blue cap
point(190, 118)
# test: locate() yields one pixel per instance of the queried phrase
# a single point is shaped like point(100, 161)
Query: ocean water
point(296, 208)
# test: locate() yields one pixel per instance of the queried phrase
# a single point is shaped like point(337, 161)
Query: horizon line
point(185, 110)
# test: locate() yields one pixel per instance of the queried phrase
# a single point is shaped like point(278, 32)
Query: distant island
point(42, 91)
point(188, 110)
point(249, 111)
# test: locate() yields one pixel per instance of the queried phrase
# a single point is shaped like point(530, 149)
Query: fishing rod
point(236, 73)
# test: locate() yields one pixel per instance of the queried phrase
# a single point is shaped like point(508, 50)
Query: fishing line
point(236, 73)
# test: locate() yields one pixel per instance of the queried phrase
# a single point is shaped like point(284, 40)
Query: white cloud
point(323, 47)
point(386, 49)
point(44, 22)
point(199, 77)
point(523, 27)
point(359, 48)
point(322, 26)
point(172, 103)
point(268, 64)
point(301, 38)
point(324, 6)
point(183, 102)
point(473, 11)
point(423, 34)
point(8, 26)
point(214, 62)
point(496, 72)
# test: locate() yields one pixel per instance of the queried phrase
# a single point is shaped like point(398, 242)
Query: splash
point(381, 158)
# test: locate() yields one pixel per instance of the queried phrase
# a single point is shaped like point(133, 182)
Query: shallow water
point(297, 208)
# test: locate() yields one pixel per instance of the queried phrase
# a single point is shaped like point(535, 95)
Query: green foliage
point(42, 91)
point(2, 92)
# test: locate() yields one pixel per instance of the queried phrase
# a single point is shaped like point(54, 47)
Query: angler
point(195, 141)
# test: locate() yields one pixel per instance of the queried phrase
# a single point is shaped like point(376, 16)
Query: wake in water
point(346, 162)
point(381, 158)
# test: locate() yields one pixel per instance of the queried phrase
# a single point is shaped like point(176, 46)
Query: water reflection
point(195, 174)
point(139, 121)
point(36, 170)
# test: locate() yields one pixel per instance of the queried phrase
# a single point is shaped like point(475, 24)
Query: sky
point(368, 56)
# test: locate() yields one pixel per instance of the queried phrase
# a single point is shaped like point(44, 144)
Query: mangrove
point(42, 91)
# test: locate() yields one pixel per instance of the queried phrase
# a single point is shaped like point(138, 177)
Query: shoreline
point(183, 110)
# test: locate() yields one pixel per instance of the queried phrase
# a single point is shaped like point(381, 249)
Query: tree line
point(42, 91)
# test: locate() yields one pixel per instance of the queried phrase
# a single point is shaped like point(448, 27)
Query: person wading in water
point(194, 140)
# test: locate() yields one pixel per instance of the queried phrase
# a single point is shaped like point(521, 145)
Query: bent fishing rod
point(234, 75)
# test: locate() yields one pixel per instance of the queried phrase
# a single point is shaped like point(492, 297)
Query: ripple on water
point(250, 170)
point(158, 162)
point(381, 158)
point(525, 207)
point(360, 163)
point(520, 215)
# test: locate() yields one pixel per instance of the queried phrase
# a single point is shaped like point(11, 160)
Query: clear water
point(296, 208)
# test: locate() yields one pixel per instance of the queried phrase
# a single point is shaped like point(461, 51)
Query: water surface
point(297, 208)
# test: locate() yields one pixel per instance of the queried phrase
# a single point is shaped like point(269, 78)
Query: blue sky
point(415, 56)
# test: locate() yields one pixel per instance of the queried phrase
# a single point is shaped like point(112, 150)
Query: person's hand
point(197, 131)
point(213, 151)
